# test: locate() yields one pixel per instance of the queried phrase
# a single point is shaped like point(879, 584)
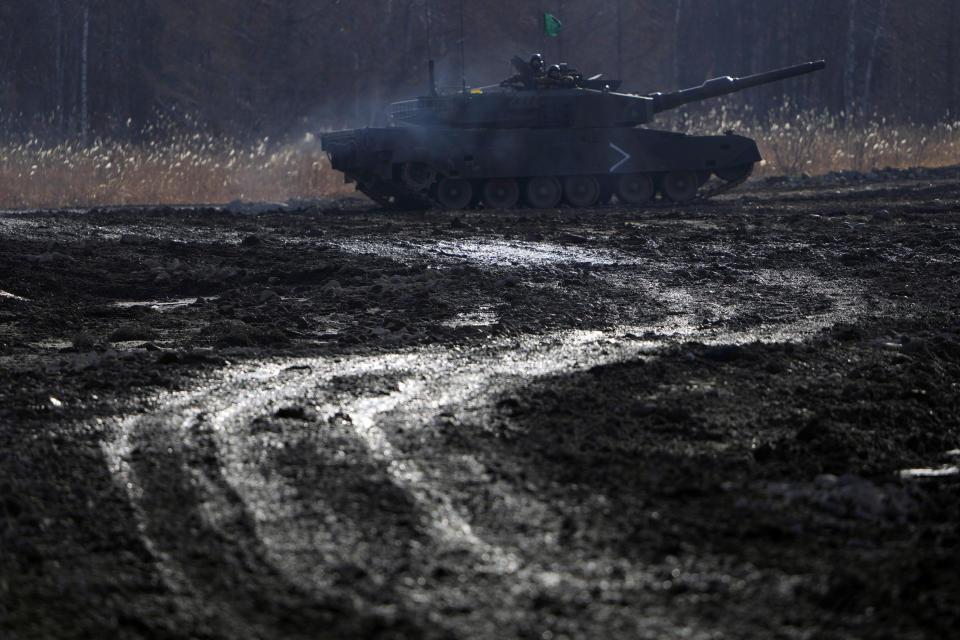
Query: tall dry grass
point(795, 142)
point(172, 169)
point(201, 168)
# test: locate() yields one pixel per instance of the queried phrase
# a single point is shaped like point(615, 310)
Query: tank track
point(393, 195)
point(722, 187)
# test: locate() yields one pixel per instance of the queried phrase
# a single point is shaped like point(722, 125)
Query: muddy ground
point(738, 419)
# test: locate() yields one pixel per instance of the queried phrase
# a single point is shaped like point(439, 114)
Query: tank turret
point(543, 138)
point(538, 102)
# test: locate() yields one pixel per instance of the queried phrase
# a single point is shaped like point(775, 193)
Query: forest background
point(207, 77)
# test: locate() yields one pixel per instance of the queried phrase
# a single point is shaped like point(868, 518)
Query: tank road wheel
point(581, 191)
point(680, 186)
point(634, 188)
point(454, 193)
point(501, 193)
point(543, 192)
point(417, 176)
point(732, 174)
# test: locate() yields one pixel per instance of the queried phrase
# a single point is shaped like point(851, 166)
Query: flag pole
point(541, 15)
point(560, 35)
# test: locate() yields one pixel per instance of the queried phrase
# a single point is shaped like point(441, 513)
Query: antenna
point(426, 19)
point(463, 72)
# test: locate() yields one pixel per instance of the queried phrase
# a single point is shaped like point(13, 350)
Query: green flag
point(551, 25)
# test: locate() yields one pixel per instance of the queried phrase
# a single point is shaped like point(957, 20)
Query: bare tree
point(868, 75)
point(84, 61)
point(850, 58)
point(952, 105)
point(59, 105)
point(676, 43)
point(258, 67)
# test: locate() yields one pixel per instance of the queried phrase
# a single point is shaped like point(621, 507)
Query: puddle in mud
point(498, 253)
point(694, 312)
point(55, 223)
point(12, 296)
point(484, 316)
point(160, 305)
point(943, 471)
point(52, 343)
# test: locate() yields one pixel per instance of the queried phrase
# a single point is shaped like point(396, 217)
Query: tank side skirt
point(481, 154)
point(478, 155)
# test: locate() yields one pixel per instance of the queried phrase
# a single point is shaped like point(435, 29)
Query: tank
point(539, 140)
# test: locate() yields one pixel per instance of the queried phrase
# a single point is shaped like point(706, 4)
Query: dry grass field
point(200, 168)
point(192, 168)
point(817, 142)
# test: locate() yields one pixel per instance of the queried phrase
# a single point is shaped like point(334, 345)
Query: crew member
point(536, 65)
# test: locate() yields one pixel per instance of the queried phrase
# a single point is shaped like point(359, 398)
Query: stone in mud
point(641, 409)
point(268, 295)
point(168, 357)
point(296, 412)
point(132, 331)
point(236, 333)
point(724, 353)
point(83, 342)
point(764, 452)
point(914, 345)
point(813, 431)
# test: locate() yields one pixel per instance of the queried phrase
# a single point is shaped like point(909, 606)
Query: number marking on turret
point(626, 156)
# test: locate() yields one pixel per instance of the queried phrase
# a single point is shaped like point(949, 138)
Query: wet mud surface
point(739, 419)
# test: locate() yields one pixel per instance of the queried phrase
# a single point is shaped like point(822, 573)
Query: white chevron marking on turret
point(626, 156)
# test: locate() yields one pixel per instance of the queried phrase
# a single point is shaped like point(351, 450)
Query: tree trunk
point(59, 97)
point(868, 76)
point(851, 58)
point(84, 45)
point(620, 39)
point(676, 44)
point(428, 24)
point(952, 105)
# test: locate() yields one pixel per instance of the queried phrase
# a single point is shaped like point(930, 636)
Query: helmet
point(554, 71)
point(536, 62)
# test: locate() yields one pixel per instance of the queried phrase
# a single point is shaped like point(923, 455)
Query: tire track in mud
point(692, 311)
point(276, 533)
point(298, 497)
point(205, 543)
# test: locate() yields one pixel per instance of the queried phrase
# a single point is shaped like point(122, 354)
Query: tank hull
point(405, 165)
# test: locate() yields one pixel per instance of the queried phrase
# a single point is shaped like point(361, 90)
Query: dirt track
point(671, 423)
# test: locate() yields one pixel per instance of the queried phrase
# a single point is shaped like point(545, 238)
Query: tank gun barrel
point(723, 86)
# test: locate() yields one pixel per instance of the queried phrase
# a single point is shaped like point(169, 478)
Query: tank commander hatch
point(529, 75)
